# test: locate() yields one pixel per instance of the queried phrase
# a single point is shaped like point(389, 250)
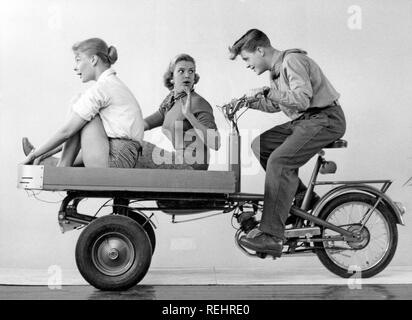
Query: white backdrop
point(364, 48)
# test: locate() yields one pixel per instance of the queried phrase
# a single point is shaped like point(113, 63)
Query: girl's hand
point(30, 158)
point(187, 106)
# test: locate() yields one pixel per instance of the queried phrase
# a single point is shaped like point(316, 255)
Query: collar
point(106, 73)
point(278, 60)
point(170, 100)
point(276, 64)
point(181, 94)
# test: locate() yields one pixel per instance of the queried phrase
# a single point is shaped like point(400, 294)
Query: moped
point(352, 228)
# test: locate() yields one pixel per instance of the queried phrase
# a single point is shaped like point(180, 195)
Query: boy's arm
point(300, 93)
point(261, 101)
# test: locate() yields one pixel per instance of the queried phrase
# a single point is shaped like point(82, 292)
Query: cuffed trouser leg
point(281, 184)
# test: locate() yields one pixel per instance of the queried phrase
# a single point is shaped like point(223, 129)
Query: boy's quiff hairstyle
point(249, 42)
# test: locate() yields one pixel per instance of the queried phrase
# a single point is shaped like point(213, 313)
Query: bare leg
point(70, 150)
point(49, 162)
point(28, 147)
point(93, 141)
point(47, 155)
point(55, 162)
point(94, 144)
point(78, 162)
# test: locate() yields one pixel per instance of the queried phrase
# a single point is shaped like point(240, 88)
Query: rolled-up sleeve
point(300, 92)
point(265, 104)
point(90, 103)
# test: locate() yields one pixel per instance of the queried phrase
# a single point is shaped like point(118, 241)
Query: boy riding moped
point(299, 88)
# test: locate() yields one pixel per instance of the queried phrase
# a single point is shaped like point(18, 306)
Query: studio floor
point(212, 284)
point(213, 292)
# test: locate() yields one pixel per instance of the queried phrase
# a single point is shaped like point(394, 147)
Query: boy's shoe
point(263, 243)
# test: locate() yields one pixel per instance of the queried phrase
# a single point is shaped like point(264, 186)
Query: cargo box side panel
point(30, 177)
point(153, 180)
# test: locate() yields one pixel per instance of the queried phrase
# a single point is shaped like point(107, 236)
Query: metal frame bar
point(386, 183)
point(68, 212)
point(312, 182)
point(306, 216)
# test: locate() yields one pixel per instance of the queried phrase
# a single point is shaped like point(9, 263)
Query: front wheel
point(113, 253)
point(378, 236)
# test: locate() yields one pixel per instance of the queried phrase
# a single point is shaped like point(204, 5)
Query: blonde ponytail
point(96, 46)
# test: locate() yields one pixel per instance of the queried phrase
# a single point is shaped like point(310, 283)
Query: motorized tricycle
point(352, 228)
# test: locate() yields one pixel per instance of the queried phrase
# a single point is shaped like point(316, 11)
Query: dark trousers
point(282, 150)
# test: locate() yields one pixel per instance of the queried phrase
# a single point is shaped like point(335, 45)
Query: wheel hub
point(362, 234)
point(113, 254)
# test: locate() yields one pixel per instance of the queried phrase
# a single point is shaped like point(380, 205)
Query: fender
point(141, 218)
point(359, 188)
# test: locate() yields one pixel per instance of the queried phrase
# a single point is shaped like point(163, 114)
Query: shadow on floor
point(213, 292)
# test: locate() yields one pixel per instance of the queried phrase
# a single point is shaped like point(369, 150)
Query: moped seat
point(340, 143)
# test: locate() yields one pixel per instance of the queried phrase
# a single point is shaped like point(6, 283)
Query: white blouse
point(115, 103)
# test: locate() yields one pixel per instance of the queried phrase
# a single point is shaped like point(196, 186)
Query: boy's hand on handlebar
point(258, 92)
point(234, 101)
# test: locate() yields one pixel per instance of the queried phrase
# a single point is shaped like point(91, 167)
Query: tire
point(113, 253)
point(147, 226)
point(362, 260)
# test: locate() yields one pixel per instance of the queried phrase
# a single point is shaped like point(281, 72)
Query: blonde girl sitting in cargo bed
point(105, 126)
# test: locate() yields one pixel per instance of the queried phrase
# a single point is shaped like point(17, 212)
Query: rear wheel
point(113, 253)
point(378, 237)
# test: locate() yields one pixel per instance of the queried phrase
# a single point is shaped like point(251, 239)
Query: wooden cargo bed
point(119, 179)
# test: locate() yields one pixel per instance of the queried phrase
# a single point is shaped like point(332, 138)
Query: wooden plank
point(119, 179)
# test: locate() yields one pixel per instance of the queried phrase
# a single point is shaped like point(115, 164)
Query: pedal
point(302, 232)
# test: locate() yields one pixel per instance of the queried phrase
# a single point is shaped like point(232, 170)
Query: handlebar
point(230, 109)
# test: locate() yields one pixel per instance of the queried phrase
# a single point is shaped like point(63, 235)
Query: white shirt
point(115, 103)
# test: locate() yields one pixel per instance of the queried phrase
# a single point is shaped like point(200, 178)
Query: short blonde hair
point(168, 76)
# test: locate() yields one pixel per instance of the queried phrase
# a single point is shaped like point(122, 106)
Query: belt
point(318, 109)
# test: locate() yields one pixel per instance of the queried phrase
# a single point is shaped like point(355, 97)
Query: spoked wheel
point(378, 237)
point(113, 253)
